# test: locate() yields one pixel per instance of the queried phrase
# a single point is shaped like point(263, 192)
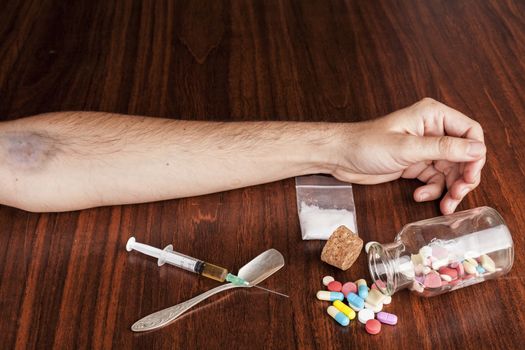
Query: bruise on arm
point(27, 150)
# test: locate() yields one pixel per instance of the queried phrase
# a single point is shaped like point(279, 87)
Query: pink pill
point(460, 269)
point(387, 318)
point(334, 286)
point(379, 284)
point(432, 280)
point(453, 265)
point(453, 273)
point(349, 287)
point(373, 326)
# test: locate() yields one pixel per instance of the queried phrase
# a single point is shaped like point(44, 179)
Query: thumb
point(454, 149)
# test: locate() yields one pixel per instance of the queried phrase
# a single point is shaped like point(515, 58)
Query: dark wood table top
point(66, 279)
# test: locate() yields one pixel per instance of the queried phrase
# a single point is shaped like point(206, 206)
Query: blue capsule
point(355, 301)
point(329, 296)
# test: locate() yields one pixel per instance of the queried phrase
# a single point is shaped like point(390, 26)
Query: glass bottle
point(442, 254)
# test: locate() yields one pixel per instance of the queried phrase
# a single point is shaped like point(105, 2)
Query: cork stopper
point(342, 249)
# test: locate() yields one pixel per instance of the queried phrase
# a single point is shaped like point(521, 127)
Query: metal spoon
point(254, 272)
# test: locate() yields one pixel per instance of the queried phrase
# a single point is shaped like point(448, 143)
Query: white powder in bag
point(318, 223)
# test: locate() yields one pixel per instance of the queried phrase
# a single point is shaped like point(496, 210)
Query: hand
point(428, 141)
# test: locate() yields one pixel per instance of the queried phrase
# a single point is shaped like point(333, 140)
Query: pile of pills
point(435, 267)
point(367, 303)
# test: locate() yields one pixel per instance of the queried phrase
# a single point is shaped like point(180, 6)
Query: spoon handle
point(166, 316)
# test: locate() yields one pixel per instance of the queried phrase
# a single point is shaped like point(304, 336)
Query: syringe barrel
point(180, 260)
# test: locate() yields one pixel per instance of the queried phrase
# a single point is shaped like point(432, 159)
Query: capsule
point(329, 296)
point(355, 301)
point(362, 288)
point(338, 315)
point(344, 309)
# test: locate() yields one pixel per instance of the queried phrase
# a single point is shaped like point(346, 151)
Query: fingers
point(451, 121)
point(432, 190)
point(448, 204)
point(424, 148)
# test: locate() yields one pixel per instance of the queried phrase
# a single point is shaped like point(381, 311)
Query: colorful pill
point(487, 263)
point(417, 259)
point(327, 280)
point(329, 296)
point(387, 318)
point(432, 280)
point(469, 267)
point(344, 309)
point(373, 326)
point(334, 286)
point(387, 300)
point(364, 315)
point(375, 297)
point(473, 261)
point(355, 301)
point(460, 269)
point(362, 288)
point(452, 273)
point(374, 308)
point(445, 278)
point(480, 269)
point(338, 315)
point(349, 287)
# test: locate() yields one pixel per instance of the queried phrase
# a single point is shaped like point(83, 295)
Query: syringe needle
point(272, 291)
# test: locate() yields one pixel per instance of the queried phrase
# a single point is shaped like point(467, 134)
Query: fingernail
point(451, 207)
point(463, 192)
point(476, 149)
point(423, 196)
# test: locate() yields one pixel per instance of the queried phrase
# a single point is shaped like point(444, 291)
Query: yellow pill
point(347, 310)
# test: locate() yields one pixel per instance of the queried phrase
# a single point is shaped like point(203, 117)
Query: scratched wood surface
point(66, 279)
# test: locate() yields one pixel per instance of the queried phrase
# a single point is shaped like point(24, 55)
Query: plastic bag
point(324, 203)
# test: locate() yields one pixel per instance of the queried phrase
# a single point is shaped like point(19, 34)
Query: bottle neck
point(391, 265)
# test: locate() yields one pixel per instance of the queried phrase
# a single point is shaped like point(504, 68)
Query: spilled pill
point(362, 288)
point(338, 315)
point(344, 309)
point(355, 301)
point(375, 308)
point(373, 326)
point(349, 287)
point(329, 296)
point(387, 318)
point(327, 280)
point(334, 286)
point(375, 297)
point(364, 315)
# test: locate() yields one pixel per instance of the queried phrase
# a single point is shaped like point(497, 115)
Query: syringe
point(185, 262)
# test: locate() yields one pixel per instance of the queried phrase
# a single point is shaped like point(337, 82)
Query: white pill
point(446, 278)
point(387, 300)
point(425, 251)
point(367, 246)
point(375, 308)
point(487, 263)
point(365, 315)
point(327, 280)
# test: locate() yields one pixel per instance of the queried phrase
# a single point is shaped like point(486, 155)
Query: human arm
point(72, 160)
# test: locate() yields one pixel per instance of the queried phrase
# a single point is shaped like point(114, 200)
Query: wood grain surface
point(68, 283)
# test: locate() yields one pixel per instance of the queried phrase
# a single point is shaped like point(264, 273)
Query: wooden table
point(66, 279)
